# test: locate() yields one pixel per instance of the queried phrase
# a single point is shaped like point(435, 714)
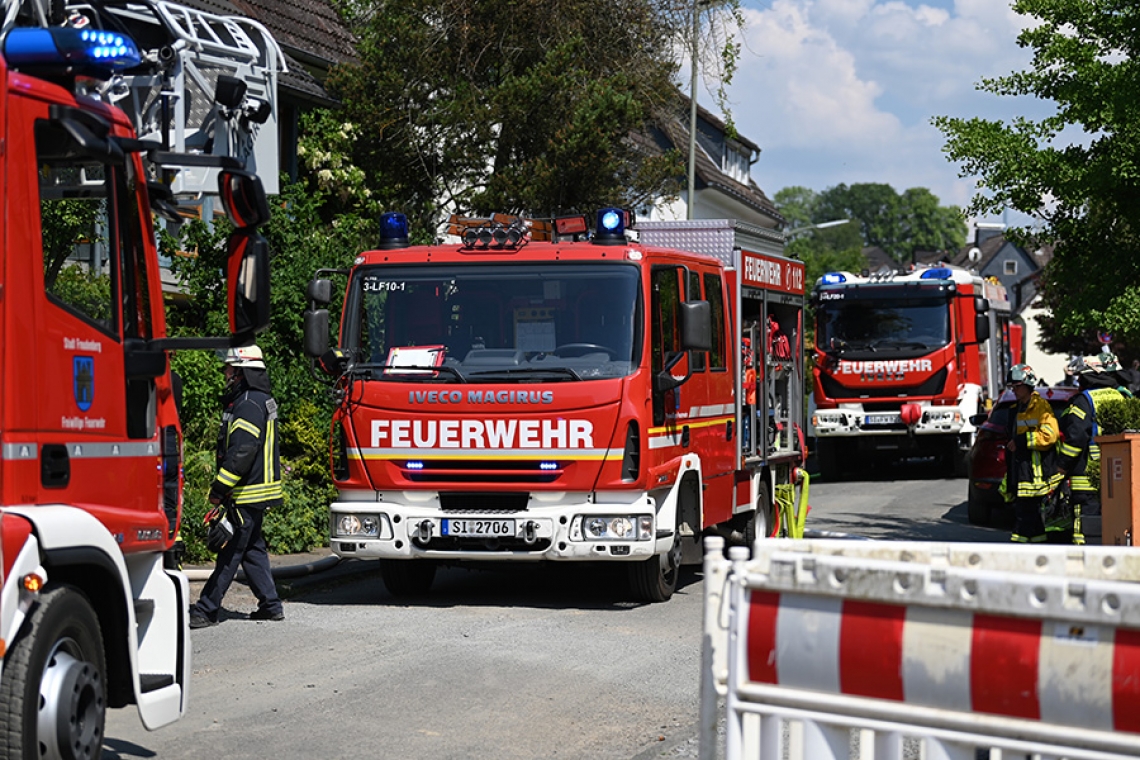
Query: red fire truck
point(93, 610)
point(576, 399)
point(902, 361)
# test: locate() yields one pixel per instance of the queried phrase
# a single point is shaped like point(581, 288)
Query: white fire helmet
point(245, 357)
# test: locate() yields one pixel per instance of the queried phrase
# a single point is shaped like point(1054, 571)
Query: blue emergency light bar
point(65, 50)
point(938, 273)
point(393, 231)
point(834, 278)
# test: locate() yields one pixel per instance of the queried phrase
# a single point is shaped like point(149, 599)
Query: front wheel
point(53, 693)
point(407, 577)
point(655, 579)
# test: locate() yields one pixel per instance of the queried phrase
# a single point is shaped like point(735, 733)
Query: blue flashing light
point(393, 231)
point(938, 273)
point(611, 227)
point(834, 278)
point(89, 51)
point(548, 465)
point(414, 465)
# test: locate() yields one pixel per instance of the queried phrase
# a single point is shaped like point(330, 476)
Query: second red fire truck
point(902, 361)
point(506, 399)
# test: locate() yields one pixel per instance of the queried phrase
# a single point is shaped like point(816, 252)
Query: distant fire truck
point(507, 399)
point(902, 361)
point(93, 608)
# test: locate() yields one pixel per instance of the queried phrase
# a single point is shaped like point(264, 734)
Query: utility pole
point(692, 199)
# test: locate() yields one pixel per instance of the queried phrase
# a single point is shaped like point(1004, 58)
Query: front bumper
point(851, 422)
point(553, 526)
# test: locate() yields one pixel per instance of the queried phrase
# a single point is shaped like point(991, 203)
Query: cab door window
point(78, 218)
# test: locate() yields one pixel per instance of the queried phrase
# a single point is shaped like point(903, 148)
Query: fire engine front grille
point(482, 471)
point(489, 546)
point(932, 387)
point(483, 502)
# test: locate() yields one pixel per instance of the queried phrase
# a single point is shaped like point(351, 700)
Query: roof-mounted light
point(937, 273)
point(393, 231)
point(834, 278)
point(66, 51)
point(495, 235)
point(611, 227)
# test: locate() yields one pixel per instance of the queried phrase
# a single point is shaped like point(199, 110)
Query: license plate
point(478, 528)
point(881, 419)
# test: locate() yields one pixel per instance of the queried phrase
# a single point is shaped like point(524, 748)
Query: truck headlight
point(617, 527)
point(358, 525)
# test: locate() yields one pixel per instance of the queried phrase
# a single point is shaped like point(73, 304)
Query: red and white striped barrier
point(1027, 649)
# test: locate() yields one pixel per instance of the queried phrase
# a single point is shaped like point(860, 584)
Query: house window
point(1011, 267)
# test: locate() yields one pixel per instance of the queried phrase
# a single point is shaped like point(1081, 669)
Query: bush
point(1119, 416)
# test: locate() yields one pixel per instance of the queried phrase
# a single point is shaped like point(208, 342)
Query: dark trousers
point(246, 549)
point(1086, 510)
point(1028, 527)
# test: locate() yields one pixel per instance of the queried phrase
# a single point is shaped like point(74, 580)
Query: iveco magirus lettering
point(535, 392)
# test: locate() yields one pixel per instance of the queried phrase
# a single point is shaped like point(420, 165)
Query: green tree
point(1077, 170)
point(494, 106)
point(899, 224)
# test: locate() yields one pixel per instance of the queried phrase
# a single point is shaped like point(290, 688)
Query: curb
point(280, 573)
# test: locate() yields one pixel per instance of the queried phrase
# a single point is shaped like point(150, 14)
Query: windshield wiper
point(900, 344)
point(557, 371)
point(408, 373)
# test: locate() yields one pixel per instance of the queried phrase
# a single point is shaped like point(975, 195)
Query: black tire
point(977, 508)
point(407, 577)
point(53, 695)
point(655, 579)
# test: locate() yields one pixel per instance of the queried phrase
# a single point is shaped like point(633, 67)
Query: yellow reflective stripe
point(246, 425)
point(267, 450)
point(1094, 452)
point(1067, 449)
point(227, 478)
point(1077, 411)
point(254, 494)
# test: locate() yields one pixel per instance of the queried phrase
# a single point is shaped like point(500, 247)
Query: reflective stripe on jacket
point(249, 464)
point(1077, 453)
point(1034, 462)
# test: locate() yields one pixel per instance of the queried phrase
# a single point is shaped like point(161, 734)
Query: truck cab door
point(88, 282)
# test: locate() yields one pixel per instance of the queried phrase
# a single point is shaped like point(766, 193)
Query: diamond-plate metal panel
point(713, 237)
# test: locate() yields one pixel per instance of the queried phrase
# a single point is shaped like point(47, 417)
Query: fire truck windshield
point(909, 326)
point(494, 322)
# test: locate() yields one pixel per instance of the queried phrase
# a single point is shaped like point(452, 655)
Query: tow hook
point(530, 532)
point(423, 533)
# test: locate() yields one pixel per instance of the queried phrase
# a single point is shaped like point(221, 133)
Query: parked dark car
point(987, 456)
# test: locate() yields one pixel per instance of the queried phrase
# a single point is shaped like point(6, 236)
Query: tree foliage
point(1078, 170)
point(484, 106)
point(899, 224)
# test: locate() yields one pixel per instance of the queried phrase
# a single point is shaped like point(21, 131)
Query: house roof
point(309, 32)
point(990, 247)
point(676, 132)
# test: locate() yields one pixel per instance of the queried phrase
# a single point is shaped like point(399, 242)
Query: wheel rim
point(71, 705)
point(671, 563)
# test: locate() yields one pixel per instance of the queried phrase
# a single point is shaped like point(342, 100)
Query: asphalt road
point(521, 662)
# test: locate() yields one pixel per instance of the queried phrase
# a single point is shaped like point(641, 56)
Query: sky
point(843, 91)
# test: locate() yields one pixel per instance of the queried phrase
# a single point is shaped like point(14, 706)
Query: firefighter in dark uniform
point(247, 484)
point(1077, 453)
point(1032, 469)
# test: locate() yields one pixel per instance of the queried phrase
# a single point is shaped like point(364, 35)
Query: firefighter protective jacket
point(249, 465)
point(1034, 461)
point(1077, 451)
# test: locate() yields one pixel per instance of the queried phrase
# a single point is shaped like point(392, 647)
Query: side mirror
point(247, 283)
point(696, 326)
point(243, 198)
point(141, 362)
point(977, 420)
point(981, 305)
point(316, 332)
point(982, 327)
point(319, 291)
